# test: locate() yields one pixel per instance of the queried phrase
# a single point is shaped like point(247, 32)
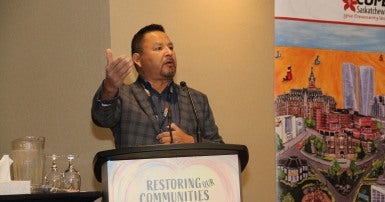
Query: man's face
point(157, 60)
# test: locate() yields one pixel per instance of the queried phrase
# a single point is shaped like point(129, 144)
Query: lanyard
point(167, 111)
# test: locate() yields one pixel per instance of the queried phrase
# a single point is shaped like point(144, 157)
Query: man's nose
point(169, 51)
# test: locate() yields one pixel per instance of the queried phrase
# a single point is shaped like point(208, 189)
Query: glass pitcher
point(28, 160)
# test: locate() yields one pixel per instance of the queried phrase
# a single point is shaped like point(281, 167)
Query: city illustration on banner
point(329, 101)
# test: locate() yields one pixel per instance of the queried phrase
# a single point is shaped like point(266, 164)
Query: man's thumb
point(109, 56)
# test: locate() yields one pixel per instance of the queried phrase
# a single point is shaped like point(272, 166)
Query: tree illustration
point(333, 170)
point(279, 142)
point(353, 167)
point(288, 198)
point(360, 151)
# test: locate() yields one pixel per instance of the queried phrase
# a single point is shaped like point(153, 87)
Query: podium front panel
point(194, 178)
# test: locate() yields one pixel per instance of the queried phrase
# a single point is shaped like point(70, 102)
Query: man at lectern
point(153, 109)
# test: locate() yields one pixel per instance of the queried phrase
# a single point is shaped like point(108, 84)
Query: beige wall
point(52, 60)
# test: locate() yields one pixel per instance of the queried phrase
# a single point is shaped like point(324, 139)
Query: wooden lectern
point(175, 172)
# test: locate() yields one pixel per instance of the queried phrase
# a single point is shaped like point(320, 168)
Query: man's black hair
point(136, 44)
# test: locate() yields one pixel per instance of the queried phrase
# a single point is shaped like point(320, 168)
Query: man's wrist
point(108, 91)
point(106, 103)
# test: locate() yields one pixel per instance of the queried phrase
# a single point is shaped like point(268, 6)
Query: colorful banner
point(329, 91)
point(361, 12)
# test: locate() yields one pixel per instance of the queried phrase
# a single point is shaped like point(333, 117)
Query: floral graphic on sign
point(350, 4)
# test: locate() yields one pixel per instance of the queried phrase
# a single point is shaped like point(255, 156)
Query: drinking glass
point(28, 160)
point(71, 177)
point(52, 180)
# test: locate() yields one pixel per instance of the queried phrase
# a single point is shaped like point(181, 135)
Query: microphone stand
point(198, 130)
point(169, 118)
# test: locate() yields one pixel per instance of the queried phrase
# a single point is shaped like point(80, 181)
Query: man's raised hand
point(116, 70)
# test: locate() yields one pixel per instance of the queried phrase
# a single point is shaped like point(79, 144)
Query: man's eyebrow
point(161, 43)
point(157, 43)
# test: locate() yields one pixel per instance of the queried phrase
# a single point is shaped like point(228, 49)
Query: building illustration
point(312, 128)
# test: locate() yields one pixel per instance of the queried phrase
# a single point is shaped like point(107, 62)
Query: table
point(83, 196)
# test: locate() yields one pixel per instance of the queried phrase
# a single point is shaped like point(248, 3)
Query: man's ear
point(136, 59)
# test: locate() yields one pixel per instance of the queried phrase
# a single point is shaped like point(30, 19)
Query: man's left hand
point(178, 136)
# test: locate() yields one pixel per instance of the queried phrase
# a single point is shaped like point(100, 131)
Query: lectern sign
point(197, 178)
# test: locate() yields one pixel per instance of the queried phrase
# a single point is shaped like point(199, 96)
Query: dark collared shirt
point(163, 103)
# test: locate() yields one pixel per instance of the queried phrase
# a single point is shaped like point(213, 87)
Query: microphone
point(184, 86)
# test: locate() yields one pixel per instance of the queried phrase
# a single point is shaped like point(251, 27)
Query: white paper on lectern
point(198, 178)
